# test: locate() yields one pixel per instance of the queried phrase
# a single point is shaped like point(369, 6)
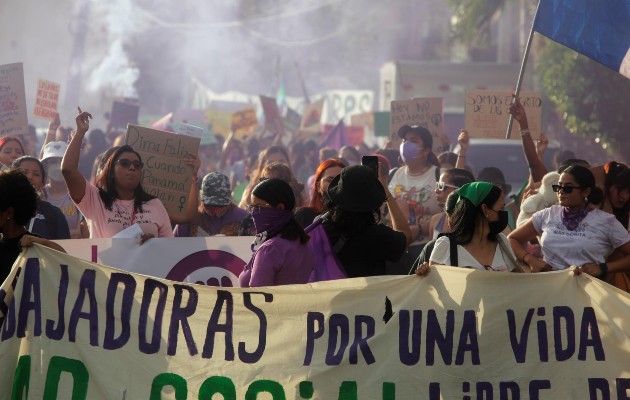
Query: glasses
point(441, 186)
point(565, 189)
point(256, 207)
point(125, 163)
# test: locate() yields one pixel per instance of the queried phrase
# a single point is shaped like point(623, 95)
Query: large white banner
point(214, 261)
point(75, 330)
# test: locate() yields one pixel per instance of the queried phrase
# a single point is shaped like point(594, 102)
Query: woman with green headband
point(477, 222)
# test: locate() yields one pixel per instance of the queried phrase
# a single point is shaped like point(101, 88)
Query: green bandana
point(475, 191)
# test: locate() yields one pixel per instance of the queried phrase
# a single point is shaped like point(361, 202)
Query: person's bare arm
point(50, 134)
point(518, 238)
point(70, 163)
point(537, 168)
point(464, 142)
point(28, 240)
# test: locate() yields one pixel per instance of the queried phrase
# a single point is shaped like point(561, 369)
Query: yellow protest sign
point(244, 122)
point(219, 122)
point(164, 175)
point(76, 330)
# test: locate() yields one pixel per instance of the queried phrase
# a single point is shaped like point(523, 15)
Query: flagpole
point(519, 82)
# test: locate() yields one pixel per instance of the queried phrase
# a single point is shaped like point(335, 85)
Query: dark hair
point(17, 162)
point(350, 223)
point(458, 176)
point(106, 182)
point(572, 161)
point(355, 152)
point(562, 156)
point(427, 140)
point(586, 180)
point(276, 191)
point(16, 191)
point(327, 152)
point(447, 157)
point(464, 214)
point(618, 175)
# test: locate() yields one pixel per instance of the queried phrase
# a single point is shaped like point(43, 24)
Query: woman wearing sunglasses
point(118, 200)
point(450, 180)
point(574, 232)
point(281, 254)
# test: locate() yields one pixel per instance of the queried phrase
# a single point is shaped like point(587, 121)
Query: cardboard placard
point(312, 117)
point(273, 119)
point(487, 113)
point(164, 174)
point(13, 119)
point(46, 100)
point(123, 113)
point(219, 122)
point(292, 120)
point(244, 122)
point(426, 112)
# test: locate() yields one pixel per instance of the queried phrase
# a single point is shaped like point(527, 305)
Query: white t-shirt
point(441, 254)
point(419, 192)
point(595, 238)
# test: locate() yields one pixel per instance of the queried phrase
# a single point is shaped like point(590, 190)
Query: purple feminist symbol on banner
point(208, 267)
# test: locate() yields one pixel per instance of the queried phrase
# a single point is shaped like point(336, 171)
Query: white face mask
point(54, 173)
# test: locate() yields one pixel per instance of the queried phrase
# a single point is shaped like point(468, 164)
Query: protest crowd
point(393, 210)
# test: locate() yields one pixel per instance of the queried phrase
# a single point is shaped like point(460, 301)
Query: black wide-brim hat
point(356, 189)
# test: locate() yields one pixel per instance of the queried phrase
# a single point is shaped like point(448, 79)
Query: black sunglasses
point(565, 189)
point(125, 163)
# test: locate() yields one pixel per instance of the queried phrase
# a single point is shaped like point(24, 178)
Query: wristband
point(604, 268)
point(525, 132)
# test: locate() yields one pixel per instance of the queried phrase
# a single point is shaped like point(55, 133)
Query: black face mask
point(499, 225)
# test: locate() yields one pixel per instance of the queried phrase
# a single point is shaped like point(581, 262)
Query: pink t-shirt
point(104, 223)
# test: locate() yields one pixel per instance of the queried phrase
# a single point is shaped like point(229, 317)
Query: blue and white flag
point(599, 29)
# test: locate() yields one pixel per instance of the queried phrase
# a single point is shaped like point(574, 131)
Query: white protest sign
point(13, 119)
point(46, 100)
point(77, 330)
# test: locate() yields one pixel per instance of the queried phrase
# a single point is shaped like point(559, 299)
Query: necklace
point(130, 210)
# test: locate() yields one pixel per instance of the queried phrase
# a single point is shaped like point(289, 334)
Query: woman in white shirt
point(477, 220)
point(574, 232)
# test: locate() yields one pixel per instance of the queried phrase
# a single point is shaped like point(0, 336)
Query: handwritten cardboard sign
point(426, 112)
point(123, 113)
point(164, 175)
point(273, 120)
point(13, 119)
point(487, 113)
point(244, 122)
point(46, 100)
point(312, 117)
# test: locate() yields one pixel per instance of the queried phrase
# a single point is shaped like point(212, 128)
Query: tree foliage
point(590, 97)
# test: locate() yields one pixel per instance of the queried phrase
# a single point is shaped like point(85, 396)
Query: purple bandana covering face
point(572, 219)
point(270, 220)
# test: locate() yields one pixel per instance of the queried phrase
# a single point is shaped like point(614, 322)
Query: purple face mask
point(409, 151)
point(270, 220)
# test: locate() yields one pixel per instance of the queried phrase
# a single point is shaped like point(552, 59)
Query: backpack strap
point(453, 250)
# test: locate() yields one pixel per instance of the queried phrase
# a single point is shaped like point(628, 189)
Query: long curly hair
point(106, 182)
